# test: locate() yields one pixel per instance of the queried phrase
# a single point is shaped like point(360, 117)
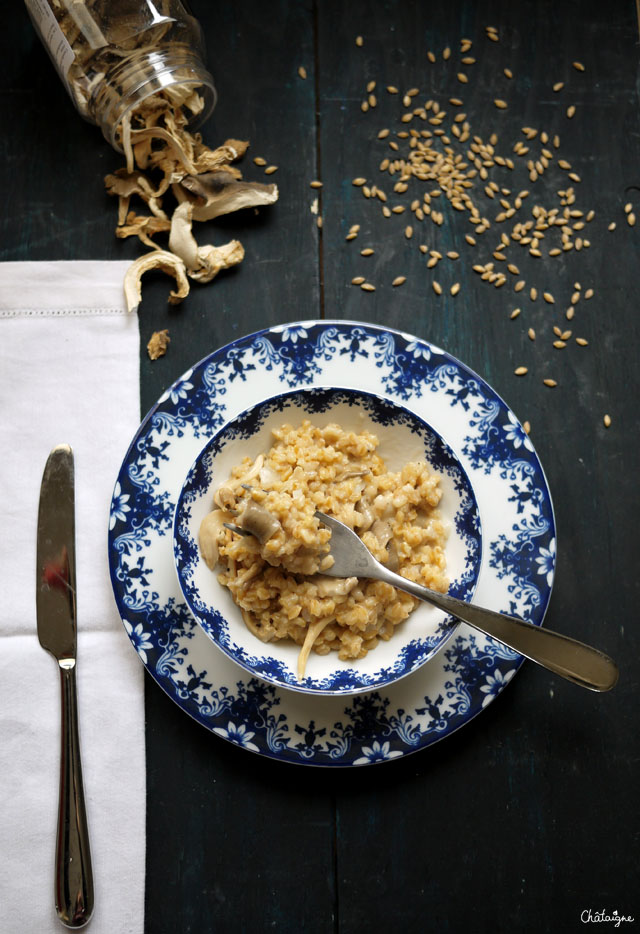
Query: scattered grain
point(302, 71)
point(270, 169)
point(607, 421)
point(631, 219)
point(366, 252)
point(571, 111)
point(558, 86)
point(533, 294)
point(408, 232)
point(531, 334)
point(455, 288)
point(399, 280)
point(260, 161)
point(500, 104)
point(559, 344)
point(315, 184)
point(359, 41)
point(526, 427)
point(446, 53)
point(548, 297)
point(521, 370)
point(515, 313)
point(437, 288)
point(462, 78)
point(578, 66)
point(612, 226)
point(358, 182)
point(508, 73)
point(357, 280)
point(367, 287)
point(582, 341)
point(550, 382)
point(588, 294)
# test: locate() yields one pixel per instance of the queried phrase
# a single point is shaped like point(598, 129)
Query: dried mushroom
point(164, 160)
point(158, 344)
point(144, 227)
point(157, 259)
point(219, 192)
point(202, 263)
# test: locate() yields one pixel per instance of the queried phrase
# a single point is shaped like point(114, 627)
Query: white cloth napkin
point(69, 372)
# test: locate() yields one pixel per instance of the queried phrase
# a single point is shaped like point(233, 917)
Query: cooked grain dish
point(275, 573)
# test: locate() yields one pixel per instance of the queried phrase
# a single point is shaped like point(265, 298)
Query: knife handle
point(74, 876)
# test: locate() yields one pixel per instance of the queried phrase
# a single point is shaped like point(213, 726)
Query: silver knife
point(56, 613)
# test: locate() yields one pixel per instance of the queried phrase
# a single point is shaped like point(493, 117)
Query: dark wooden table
point(528, 816)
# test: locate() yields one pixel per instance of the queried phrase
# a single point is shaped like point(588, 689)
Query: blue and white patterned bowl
point(403, 437)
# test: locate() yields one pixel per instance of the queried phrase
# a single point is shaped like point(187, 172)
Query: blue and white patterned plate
point(403, 436)
point(516, 573)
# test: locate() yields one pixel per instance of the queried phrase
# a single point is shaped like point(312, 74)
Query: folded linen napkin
point(69, 373)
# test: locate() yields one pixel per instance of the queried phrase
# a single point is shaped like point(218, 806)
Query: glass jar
point(114, 54)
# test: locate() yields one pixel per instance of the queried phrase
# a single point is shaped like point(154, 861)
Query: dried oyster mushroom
point(158, 344)
point(126, 184)
point(203, 263)
point(143, 227)
point(204, 183)
point(157, 259)
point(219, 192)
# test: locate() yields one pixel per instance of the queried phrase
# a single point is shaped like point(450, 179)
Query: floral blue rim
point(381, 411)
point(517, 568)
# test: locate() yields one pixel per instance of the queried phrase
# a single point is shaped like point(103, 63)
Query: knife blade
point(56, 621)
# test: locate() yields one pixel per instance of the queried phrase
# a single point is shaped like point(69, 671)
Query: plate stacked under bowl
point(518, 543)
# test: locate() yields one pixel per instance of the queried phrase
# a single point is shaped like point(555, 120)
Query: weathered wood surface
point(528, 816)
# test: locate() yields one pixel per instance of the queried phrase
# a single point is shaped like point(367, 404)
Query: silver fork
point(566, 657)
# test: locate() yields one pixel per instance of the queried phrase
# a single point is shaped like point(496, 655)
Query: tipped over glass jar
point(114, 55)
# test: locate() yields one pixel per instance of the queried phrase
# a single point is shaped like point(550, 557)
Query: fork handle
point(566, 657)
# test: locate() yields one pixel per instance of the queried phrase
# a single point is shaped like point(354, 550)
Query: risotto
point(275, 573)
